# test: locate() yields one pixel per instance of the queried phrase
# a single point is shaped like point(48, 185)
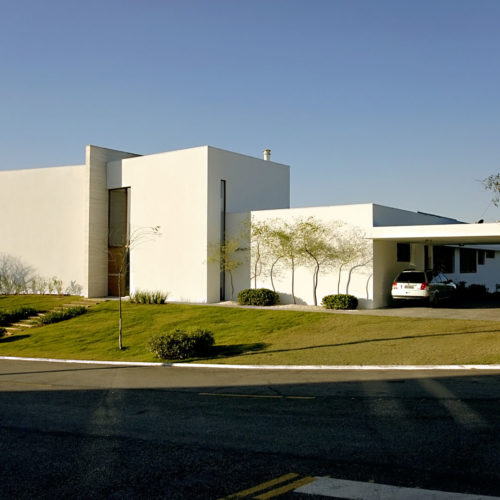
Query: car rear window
point(411, 277)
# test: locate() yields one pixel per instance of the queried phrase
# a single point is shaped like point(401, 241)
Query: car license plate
point(409, 286)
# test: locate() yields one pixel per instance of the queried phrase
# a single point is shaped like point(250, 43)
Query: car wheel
point(435, 300)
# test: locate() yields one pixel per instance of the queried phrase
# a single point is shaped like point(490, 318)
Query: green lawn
point(250, 336)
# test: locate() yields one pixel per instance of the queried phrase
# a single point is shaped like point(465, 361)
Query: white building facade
point(74, 222)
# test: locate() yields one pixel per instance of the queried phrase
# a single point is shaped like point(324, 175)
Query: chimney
point(267, 154)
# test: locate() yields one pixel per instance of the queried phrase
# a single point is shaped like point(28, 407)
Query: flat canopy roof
point(441, 234)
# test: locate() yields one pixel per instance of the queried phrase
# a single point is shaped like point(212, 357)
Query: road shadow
point(207, 437)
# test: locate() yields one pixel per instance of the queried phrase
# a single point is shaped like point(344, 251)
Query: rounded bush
point(182, 344)
point(340, 301)
point(258, 297)
point(3, 331)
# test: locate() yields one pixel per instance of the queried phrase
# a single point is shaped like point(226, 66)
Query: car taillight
point(394, 285)
point(424, 286)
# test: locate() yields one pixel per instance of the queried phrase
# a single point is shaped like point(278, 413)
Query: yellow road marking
point(286, 488)
point(262, 486)
point(262, 396)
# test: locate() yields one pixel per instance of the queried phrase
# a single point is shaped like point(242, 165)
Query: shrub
point(74, 289)
point(148, 297)
point(182, 344)
point(3, 331)
point(477, 291)
point(258, 297)
point(11, 316)
point(62, 315)
point(340, 301)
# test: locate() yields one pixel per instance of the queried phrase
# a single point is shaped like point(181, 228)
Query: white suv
point(423, 285)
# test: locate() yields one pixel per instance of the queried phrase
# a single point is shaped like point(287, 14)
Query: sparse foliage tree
point(137, 237)
point(259, 234)
point(14, 275)
point(291, 249)
point(274, 246)
point(492, 183)
point(350, 249)
point(229, 256)
point(316, 241)
point(364, 255)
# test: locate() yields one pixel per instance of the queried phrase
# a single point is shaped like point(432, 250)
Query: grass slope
point(249, 336)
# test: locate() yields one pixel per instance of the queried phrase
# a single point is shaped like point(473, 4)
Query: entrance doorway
point(118, 238)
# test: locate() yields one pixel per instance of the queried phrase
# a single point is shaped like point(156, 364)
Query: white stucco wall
point(180, 192)
point(251, 184)
point(361, 283)
point(167, 190)
point(42, 220)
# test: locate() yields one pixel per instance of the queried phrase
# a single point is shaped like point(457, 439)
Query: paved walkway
point(486, 313)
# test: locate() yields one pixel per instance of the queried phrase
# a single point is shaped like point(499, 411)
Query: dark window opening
point(404, 252)
point(490, 254)
point(468, 260)
point(222, 237)
point(480, 257)
point(118, 234)
point(444, 259)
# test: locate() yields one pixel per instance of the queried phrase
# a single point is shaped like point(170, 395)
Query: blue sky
point(388, 101)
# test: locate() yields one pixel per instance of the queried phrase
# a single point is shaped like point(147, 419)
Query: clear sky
point(394, 102)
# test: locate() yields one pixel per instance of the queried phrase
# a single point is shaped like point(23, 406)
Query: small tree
point(274, 245)
point(350, 245)
point(290, 248)
point(259, 234)
point(228, 256)
point(364, 255)
point(316, 241)
point(137, 237)
point(15, 276)
point(492, 183)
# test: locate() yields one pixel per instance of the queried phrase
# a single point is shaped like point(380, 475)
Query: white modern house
point(74, 221)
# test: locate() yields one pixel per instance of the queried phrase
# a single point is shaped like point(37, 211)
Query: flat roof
point(441, 234)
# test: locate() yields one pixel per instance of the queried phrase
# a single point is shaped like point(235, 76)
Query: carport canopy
point(440, 234)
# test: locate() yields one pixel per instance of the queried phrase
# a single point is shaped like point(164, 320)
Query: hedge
point(258, 297)
point(340, 301)
point(182, 344)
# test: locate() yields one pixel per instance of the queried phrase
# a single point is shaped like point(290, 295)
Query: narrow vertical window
point(222, 238)
point(118, 233)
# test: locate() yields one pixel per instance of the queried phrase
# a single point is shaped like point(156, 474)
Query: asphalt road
point(86, 431)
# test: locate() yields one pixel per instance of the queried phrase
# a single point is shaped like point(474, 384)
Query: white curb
point(260, 367)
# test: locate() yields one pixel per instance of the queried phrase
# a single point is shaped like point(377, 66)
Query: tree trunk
point(315, 284)
point(338, 282)
point(271, 273)
point(315, 276)
point(349, 277)
point(232, 286)
point(120, 346)
point(293, 281)
point(257, 259)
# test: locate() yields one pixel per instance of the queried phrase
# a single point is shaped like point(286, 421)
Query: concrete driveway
point(414, 311)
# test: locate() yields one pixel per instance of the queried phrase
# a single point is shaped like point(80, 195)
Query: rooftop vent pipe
point(267, 154)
